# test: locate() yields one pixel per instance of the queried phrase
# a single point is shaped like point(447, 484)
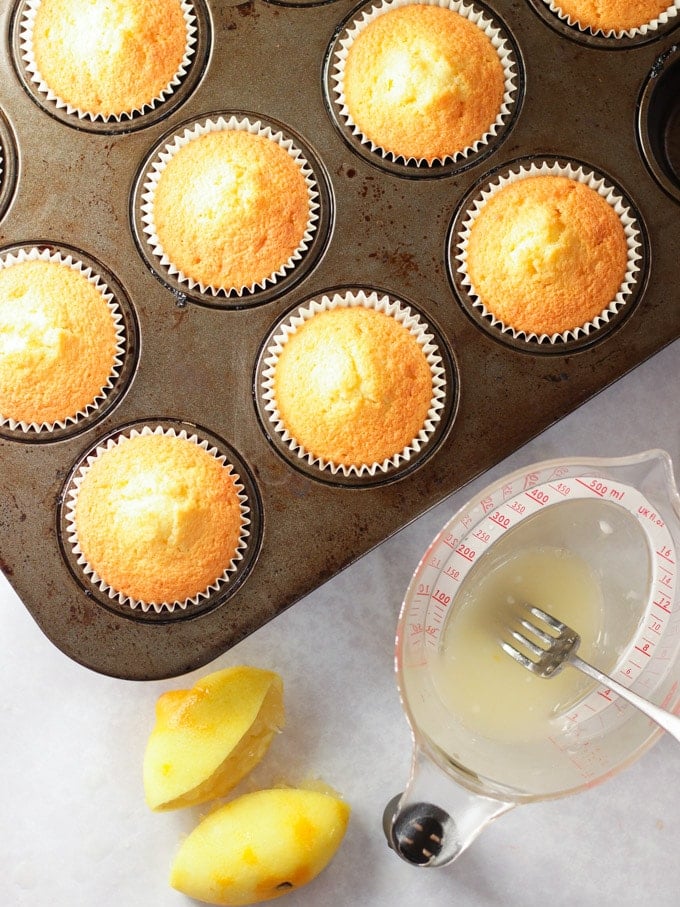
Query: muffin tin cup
point(8, 164)
point(223, 585)
point(294, 268)
point(659, 121)
point(580, 335)
point(442, 404)
point(171, 96)
point(402, 164)
point(124, 361)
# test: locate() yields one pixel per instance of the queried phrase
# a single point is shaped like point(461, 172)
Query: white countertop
point(75, 828)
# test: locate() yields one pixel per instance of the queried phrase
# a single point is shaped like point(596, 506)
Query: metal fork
point(554, 644)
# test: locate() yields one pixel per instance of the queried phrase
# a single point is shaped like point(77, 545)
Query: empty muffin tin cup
point(659, 121)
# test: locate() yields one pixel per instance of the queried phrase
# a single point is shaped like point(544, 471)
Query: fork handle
point(667, 720)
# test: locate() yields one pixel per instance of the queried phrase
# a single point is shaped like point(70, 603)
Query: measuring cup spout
point(435, 819)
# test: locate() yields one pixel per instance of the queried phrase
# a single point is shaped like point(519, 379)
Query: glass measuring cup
point(600, 534)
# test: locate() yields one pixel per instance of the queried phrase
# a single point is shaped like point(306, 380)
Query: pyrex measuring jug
point(596, 543)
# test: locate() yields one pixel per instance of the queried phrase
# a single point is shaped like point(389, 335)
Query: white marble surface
point(75, 829)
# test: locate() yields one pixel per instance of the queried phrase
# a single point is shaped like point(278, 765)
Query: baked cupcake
point(107, 58)
point(424, 82)
point(614, 18)
point(61, 340)
point(549, 252)
point(353, 383)
point(157, 519)
point(229, 206)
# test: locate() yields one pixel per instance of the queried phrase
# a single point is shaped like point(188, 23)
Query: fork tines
point(547, 648)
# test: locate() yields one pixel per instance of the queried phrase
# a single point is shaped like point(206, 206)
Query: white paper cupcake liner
point(26, 40)
point(406, 317)
point(647, 28)
point(156, 169)
point(121, 597)
point(36, 254)
point(485, 23)
point(606, 191)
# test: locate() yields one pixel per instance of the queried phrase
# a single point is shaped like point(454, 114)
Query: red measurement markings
point(500, 519)
point(561, 489)
point(644, 650)
point(541, 497)
point(465, 552)
point(508, 491)
point(605, 694)
point(450, 541)
point(663, 602)
point(452, 572)
point(651, 516)
point(442, 597)
point(481, 535)
point(665, 554)
point(597, 487)
point(438, 614)
point(667, 579)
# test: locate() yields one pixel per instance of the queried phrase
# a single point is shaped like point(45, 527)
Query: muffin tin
point(609, 104)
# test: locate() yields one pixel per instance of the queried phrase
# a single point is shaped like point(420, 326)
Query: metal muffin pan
point(67, 183)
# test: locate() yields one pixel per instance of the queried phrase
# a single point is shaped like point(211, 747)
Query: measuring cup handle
point(435, 819)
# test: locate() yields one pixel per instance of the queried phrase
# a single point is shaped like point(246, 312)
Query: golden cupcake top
point(612, 15)
point(108, 57)
point(58, 342)
point(546, 254)
point(158, 518)
point(423, 82)
point(352, 386)
point(230, 209)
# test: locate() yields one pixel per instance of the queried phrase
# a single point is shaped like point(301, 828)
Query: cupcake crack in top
point(546, 254)
point(158, 518)
point(230, 209)
point(108, 57)
point(352, 386)
point(423, 82)
point(611, 15)
point(58, 341)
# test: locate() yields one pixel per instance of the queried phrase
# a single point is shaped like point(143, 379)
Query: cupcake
point(157, 519)
point(229, 206)
point(425, 82)
point(614, 18)
point(107, 58)
point(353, 383)
point(61, 340)
point(549, 252)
